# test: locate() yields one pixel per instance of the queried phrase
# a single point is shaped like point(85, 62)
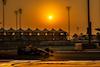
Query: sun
point(50, 17)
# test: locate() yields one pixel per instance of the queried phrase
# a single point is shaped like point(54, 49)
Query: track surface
point(74, 55)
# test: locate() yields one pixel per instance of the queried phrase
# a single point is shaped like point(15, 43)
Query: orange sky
point(35, 14)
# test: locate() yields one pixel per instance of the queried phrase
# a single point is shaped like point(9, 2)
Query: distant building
point(84, 38)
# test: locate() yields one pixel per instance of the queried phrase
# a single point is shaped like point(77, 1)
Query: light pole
point(4, 3)
point(20, 10)
point(16, 12)
point(89, 24)
point(0, 22)
point(68, 8)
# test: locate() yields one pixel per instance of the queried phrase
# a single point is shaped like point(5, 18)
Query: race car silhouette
point(34, 51)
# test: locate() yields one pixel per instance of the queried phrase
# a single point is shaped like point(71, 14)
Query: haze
point(35, 14)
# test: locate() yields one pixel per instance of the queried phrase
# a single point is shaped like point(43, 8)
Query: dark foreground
point(54, 56)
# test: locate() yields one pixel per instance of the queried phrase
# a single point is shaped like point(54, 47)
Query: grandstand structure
point(20, 36)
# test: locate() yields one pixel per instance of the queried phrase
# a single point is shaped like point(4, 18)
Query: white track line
point(18, 61)
point(74, 51)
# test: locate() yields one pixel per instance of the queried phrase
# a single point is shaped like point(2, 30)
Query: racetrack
point(67, 55)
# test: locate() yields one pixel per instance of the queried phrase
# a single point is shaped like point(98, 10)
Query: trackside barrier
point(78, 46)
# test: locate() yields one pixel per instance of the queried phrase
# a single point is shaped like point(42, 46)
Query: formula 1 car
point(34, 51)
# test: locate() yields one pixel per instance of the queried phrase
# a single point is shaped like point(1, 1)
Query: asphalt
point(91, 54)
point(84, 58)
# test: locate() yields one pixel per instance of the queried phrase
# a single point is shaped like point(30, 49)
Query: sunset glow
point(39, 32)
point(51, 14)
point(50, 17)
